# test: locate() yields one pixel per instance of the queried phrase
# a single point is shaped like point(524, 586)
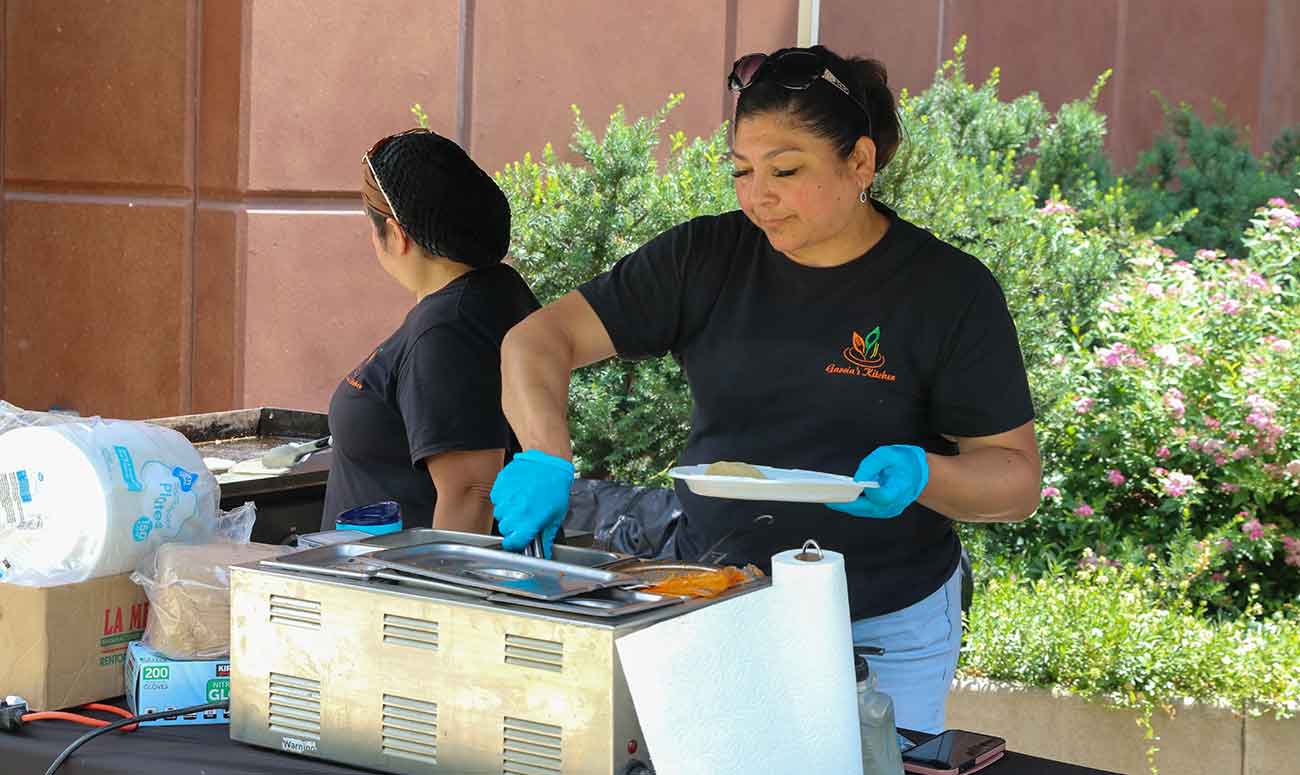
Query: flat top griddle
point(247, 434)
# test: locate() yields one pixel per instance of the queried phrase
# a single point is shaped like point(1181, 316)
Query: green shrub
point(1114, 633)
point(1208, 169)
point(1064, 151)
point(572, 222)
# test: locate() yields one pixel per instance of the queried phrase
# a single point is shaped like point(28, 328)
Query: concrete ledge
point(1054, 724)
point(1272, 746)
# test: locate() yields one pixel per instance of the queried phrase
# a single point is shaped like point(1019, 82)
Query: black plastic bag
point(623, 518)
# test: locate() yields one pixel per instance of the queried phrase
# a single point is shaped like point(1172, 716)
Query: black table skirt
point(208, 750)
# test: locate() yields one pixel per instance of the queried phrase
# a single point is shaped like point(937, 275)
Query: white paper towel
point(760, 683)
point(87, 499)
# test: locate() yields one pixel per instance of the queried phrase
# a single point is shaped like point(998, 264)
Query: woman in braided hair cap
point(419, 421)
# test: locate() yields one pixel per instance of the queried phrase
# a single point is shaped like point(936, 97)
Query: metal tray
point(437, 586)
point(499, 571)
point(346, 560)
point(419, 536)
point(605, 603)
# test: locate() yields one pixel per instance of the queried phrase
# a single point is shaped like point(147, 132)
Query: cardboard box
point(64, 646)
point(155, 683)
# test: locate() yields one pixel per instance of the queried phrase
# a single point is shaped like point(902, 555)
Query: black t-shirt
point(433, 386)
point(813, 368)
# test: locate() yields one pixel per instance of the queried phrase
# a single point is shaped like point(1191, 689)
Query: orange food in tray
point(704, 583)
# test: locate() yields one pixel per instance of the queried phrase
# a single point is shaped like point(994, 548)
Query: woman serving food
point(818, 330)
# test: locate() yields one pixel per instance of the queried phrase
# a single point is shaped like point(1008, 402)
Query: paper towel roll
point(758, 683)
point(88, 499)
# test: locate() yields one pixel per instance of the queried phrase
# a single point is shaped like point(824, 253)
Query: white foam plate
point(781, 484)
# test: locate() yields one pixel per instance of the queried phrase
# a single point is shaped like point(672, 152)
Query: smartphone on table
point(953, 752)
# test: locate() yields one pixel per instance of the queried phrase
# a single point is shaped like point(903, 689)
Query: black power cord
point(126, 722)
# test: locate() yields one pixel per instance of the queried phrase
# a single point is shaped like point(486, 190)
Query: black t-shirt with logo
point(813, 368)
point(433, 386)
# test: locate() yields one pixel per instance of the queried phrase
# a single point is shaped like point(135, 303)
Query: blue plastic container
point(375, 519)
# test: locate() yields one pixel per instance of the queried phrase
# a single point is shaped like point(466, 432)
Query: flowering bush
point(1178, 433)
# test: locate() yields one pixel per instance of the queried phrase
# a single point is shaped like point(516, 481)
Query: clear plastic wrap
point(83, 497)
point(188, 586)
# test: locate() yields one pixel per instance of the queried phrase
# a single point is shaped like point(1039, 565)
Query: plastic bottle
point(880, 754)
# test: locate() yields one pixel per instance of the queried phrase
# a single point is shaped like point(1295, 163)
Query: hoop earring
point(863, 196)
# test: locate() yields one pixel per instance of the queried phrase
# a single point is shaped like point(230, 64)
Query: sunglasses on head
point(370, 154)
point(794, 69)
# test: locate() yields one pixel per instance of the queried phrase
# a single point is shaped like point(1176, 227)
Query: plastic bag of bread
point(189, 596)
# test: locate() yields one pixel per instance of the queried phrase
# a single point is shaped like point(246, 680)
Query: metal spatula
point(285, 455)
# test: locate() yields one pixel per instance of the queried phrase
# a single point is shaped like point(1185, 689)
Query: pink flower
point(1115, 477)
point(1292, 547)
point(1194, 444)
point(1178, 484)
point(1253, 530)
point(1277, 201)
point(1281, 346)
point(1083, 510)
point(1118, 354)
point(1225, 545)
point(1256, 280)
point(1241, 453)
point(1210, 422)
point(1227, 487)
point(1167, 353)
point(1255, 401)
point(1054, 206)
point(1174, 403)
point(1293, 468)
point(1163, 453)
point(1293, 222)
point(1259, 420)
point(1058, 360)
point(1220, 460)
point(1230, 307)
point(1207, 255)
point(1051, 492)
point(1084, 405)
point(1154, 290)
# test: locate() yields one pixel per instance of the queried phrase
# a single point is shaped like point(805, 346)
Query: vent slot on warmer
point(530, 652)
point(293, 612)
point(410, 729)
point(414, 633)
point(294, 707)
point(531, 748)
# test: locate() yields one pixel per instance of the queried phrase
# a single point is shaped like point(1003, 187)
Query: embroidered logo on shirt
point(354, 378)
point(863, 358)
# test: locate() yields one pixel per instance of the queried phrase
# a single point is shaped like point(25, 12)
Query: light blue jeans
point(921, 643)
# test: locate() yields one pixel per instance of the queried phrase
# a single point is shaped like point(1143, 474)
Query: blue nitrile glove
point(530, 497)
point(902, 473)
